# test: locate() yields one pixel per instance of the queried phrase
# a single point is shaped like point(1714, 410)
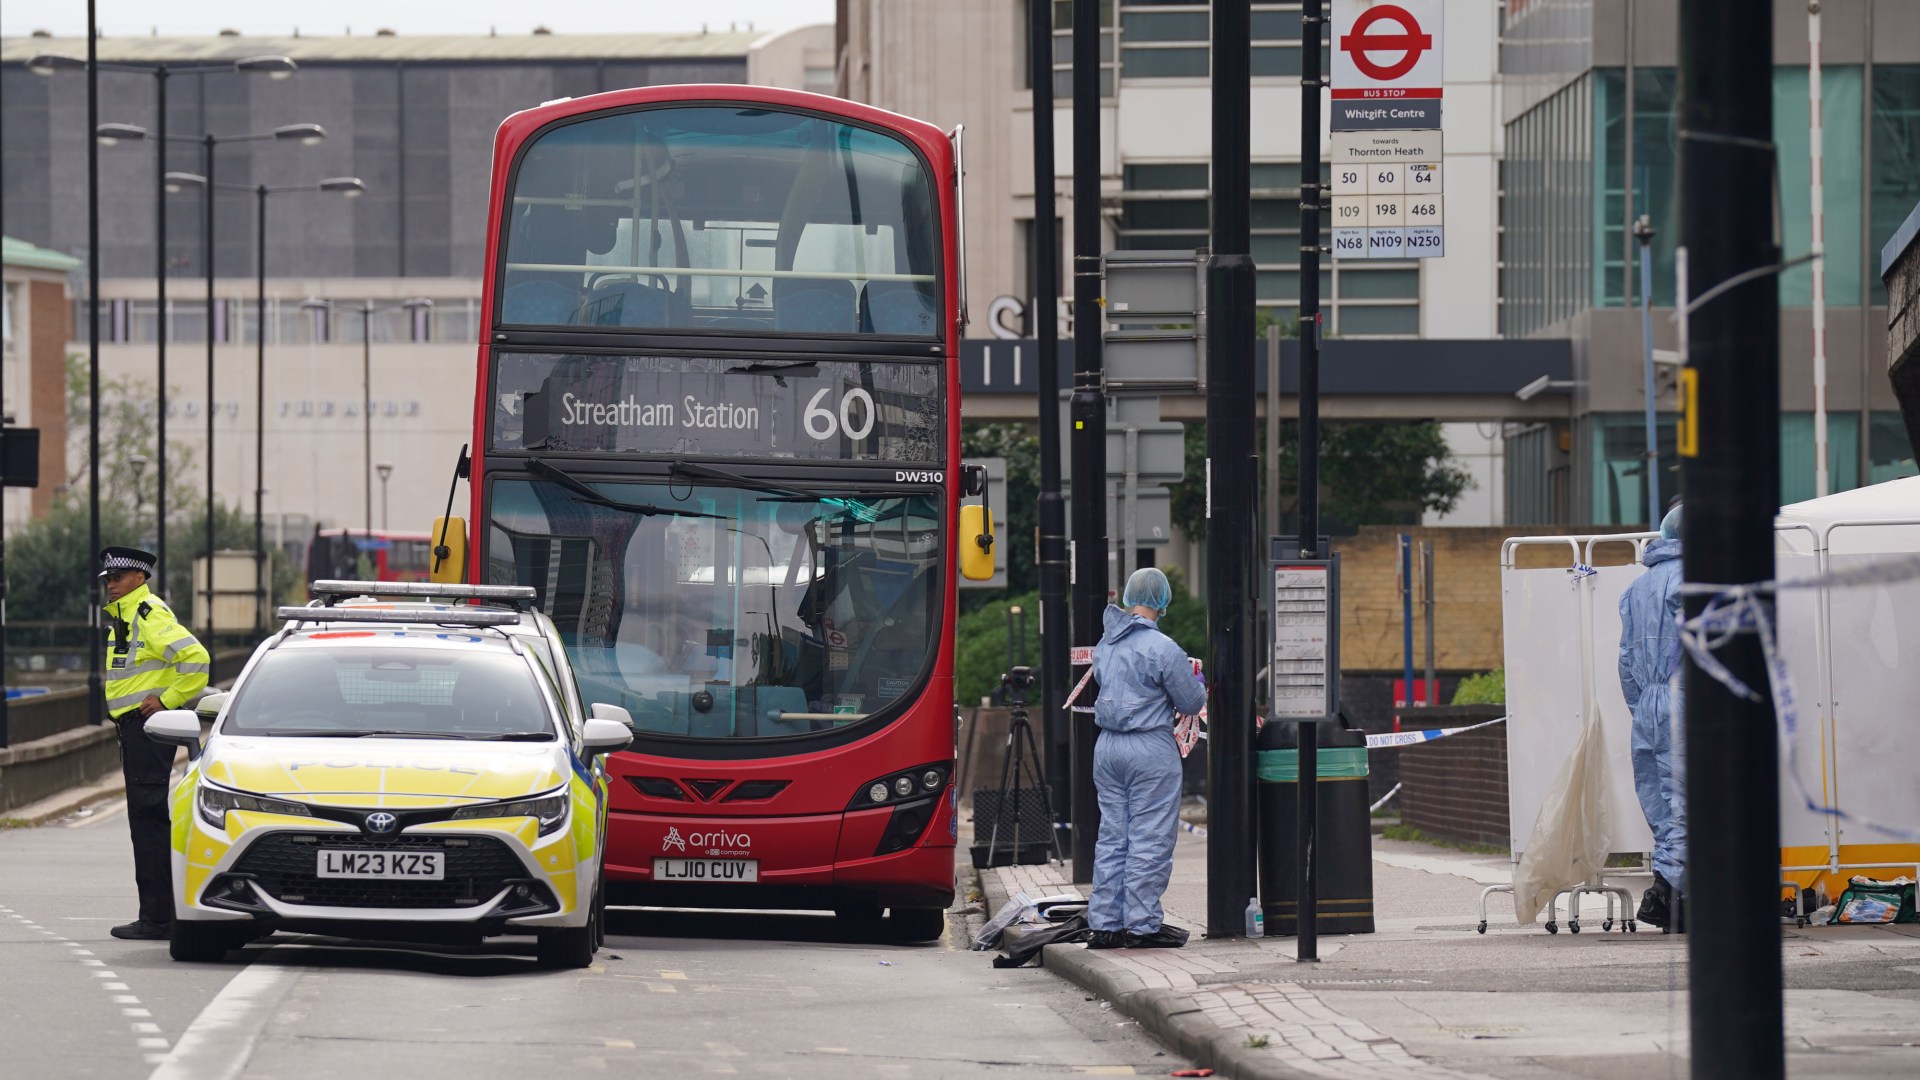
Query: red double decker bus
point(717, 429)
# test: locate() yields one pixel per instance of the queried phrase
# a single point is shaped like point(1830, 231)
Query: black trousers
point(146, 765)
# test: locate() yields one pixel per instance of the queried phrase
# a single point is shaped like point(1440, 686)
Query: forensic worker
point(152, 664)
point(1145, 679)
point(1649, 657)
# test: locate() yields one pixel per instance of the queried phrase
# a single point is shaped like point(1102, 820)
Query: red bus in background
point(717, 429)
point(388, 555)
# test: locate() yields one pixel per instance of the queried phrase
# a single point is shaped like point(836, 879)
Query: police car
point(410, 769)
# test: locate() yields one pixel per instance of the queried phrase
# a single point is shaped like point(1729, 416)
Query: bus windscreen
point(725, 219)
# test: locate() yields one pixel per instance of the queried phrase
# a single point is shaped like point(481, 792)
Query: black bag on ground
point(1029, 944)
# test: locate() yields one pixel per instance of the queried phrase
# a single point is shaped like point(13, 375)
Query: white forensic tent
point(1853, 652)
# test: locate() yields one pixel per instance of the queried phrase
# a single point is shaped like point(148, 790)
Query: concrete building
point(898, 54)
point(1589, 89)
point(36, 322)
point(414, 118)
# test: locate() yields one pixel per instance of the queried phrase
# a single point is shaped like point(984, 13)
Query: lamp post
point(305, 135)
point(274, 67)
point(349, 187)
point(385, 469)
point(367, 311)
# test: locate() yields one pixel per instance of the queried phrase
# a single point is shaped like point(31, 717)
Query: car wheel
point(568, 947)
point(918, 924)
point(198, 942)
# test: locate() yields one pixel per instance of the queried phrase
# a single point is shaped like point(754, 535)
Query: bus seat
point(631, 303)
point(539, 303)
point(899, 307)
point(826, 306)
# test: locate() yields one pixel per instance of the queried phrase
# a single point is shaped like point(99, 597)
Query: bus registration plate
point(725, 871)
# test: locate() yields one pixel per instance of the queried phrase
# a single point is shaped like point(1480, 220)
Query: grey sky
point(126, 18)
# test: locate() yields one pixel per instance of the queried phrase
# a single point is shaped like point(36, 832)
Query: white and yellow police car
point(413, 770)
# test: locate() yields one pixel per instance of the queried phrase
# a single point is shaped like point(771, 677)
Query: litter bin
point(1345, 872)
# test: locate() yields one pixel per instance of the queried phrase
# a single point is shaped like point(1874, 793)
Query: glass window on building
point(1841, 161)
point(1894, 177)
point(1546, 213)
point(1654, 174)
point(1620, 467)
point(1797, 455)
point(1889, 453)
point(1063, 49)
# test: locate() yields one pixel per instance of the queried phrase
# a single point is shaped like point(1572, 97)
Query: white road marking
point(218, 1043)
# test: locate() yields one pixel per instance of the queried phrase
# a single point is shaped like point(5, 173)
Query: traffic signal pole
point(1312, 18)
point(1232, 484)
point(1730, 465)
point(1089, 412)
point(1044, 290)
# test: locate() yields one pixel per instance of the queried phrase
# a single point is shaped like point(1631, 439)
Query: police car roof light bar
point(409, 616)
point(518, 595)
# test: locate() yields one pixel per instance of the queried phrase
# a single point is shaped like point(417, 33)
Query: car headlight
point(549, 810)
point(215, 802)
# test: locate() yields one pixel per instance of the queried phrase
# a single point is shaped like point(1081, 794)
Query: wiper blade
point(357, 733)
point(516, 736)
point(734, 479)
point(586, 494)
point(781, 367)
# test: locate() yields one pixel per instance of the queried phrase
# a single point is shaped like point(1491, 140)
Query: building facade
point(1155, 154)
point(36, 322)
point(413, 117)
point(1590, 112)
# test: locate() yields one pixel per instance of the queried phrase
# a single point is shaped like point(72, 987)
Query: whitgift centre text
point(687, 413)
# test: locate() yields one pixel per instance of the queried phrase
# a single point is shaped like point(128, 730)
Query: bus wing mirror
point(449, 551)
point(976, 542)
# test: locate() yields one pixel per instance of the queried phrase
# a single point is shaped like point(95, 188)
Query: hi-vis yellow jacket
point(150, 654)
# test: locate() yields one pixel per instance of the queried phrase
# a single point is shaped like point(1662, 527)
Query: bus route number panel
point(829, 410)
point(1387, 195)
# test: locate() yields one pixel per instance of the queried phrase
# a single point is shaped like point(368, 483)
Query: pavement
point(1426, 996)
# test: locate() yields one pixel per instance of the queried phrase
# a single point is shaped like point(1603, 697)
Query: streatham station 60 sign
point(1386, 64)
point(1387, 167)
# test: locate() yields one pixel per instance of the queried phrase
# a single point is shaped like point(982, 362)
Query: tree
point(1370, 474)
point(129, 434)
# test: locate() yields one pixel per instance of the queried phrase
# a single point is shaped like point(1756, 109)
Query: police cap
point(127, 558)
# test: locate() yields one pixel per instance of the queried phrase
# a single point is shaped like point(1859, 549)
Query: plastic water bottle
point(1256, 918)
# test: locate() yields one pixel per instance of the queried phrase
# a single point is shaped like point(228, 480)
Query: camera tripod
point(1019, 760)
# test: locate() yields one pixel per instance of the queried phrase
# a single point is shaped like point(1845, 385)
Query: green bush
point(1489, 688)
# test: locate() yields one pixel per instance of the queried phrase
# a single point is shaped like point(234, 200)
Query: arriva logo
point(720, 840)
point(673, 839)
point(903, 476)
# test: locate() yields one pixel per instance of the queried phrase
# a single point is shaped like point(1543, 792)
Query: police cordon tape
point(1189, 730)
point(1737, 609)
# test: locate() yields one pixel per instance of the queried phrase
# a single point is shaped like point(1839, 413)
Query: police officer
point(152, 664)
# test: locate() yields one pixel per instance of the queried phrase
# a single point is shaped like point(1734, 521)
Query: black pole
point(1732, 480)
point(1089, 411)
point(366, 414)
point(1307, 945)
point(206, 619)
point(160, 336)
point(1233, 485)
point(95, 645)
point(260, 414)
point(1056, 672)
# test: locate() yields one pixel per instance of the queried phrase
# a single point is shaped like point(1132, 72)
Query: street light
point(385, 470)
point(274, 67)
point(349, 187)
point(367, 311)
point(305, 135)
